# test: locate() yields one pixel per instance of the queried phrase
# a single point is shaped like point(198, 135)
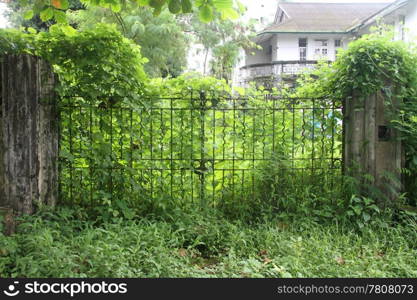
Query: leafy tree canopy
point(22, 14)
point(207, 9)
point(223, 39)
point(162, 38)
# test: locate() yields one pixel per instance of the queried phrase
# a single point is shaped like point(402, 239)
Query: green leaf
point(68, 30)
point(157, 11)
point(138, 28)
point(223, 4)
point(116, 7)
point(64, 4)
point(366, 217)
point(31, 30)
point(60, 17)
point(186, 5)
point(47, 14)
point(143, 2)
point(174, 6)
point(28, 15)
point(157, 3)
point(357, 209)
point(374, 208)
point(230, 13)
point(206, 13)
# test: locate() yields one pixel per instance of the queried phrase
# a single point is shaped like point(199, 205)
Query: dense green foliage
point(93, 64)
point(207, 9)
point(162, 38)
point(20, 14)
point(186, 244)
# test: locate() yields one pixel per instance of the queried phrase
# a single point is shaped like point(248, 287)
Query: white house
point(303, 33)
point(402, 14)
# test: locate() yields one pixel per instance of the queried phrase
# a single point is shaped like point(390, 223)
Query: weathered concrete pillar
point(371, 147)
point(29, 126)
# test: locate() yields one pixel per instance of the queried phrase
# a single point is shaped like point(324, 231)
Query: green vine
point(375, 62)
point(93, 64)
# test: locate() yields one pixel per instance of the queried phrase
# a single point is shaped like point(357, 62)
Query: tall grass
point(205, 244)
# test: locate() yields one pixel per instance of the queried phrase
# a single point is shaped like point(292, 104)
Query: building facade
point(304, 33)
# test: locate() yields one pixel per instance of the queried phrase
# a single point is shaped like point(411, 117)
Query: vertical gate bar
point(59, 120)
point(333, 124)
point(243, 184)
point(312, 140)
point(101, 167)
point(223, 148)
point(171, 147)
point(293, 135)
point(80, 134)
point(71, 151)
point(162, 160)
point(263, 129)
point(59, 124)
point(181, 135)
point(303, 141)
point(121, 133)
point(181, 153)
point(244, 131)
point(282, 150)
point(111, 153)
point(323, 162)
point(144, 169)
point(273, 124)
point(202, 155)
point(214, 154)
point(191, 145)
point(224, 134)
point(151, 149)
point(131, 148)
point(90, 112)
point(234, 149)
point(122, 166)
point(253, 152)
point(141, 133)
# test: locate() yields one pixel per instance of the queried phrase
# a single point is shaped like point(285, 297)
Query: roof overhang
point(383, 12)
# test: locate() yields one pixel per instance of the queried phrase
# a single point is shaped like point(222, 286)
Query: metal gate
point(199, 148)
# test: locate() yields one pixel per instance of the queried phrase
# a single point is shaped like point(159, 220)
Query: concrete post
point(371, 147)
point(29, 139)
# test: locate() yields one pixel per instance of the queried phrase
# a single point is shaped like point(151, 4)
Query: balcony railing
point(275, 69)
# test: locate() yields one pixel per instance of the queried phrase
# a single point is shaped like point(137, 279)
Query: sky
point(3, 21)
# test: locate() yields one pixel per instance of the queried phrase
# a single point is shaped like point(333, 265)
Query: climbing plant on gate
point(96, 63)
point(376, 62)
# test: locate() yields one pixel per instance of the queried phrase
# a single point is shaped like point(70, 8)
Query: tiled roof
point(323, 17)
